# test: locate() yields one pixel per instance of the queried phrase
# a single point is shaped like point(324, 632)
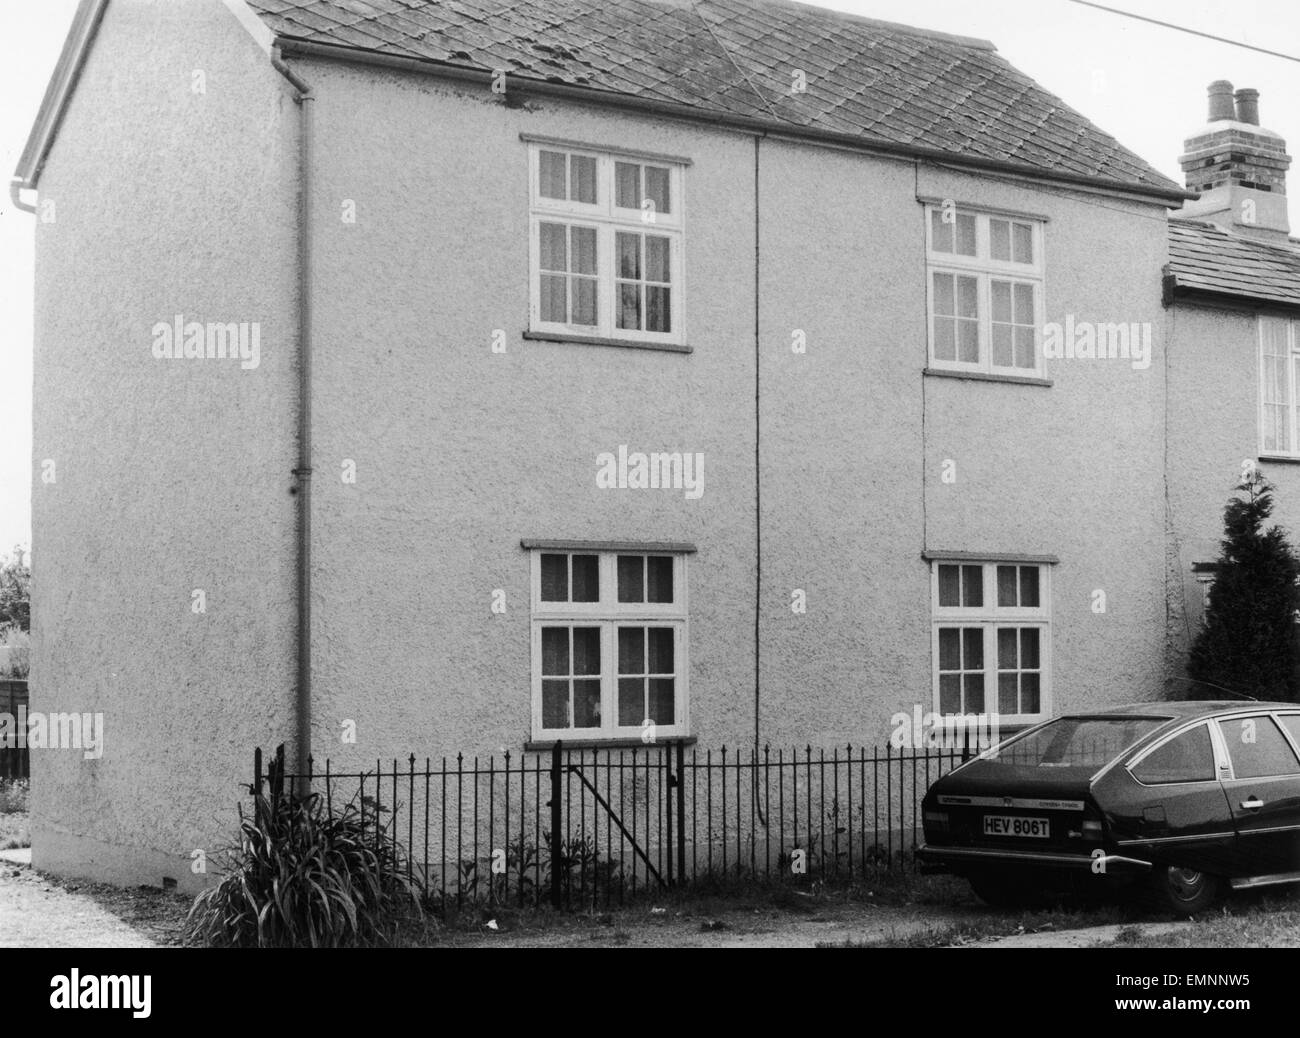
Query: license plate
point(1008, 825)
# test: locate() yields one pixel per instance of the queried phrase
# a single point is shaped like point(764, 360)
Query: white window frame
point(990, 618)
point(1206, 582)
point(985, 270)
point(1292, 382)
point(607, 219)
point(609, 614)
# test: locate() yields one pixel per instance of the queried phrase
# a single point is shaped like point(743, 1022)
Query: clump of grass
point(13, 795)
point(15, 652)
point(1128, 935)
point(993, 927)
point(14, 832)
point(1272, 921)
point(302, 875)
point(16, 840)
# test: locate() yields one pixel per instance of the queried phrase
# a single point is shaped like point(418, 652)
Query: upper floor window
point(609, 644)
point(606, 245)
point(1279, 361)
point(985, 293)
point(992, 633)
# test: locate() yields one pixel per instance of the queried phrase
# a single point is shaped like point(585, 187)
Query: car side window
point(1258, 748)
point(1188, 757)
point(1291, 722)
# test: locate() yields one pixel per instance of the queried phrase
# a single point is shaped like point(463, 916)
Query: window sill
point(595, 340)
point(1000, 732)
point(546, 745)
point(1293, 459)
point(1007, 729)
point(987, 376)
point(674, 547)
point(931, 555)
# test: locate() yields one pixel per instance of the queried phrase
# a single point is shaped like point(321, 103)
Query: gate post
point(557, 845)
point(667, 792)
point(681, 812)
point(257, 786)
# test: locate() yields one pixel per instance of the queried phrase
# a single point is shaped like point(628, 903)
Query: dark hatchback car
point(1181, 798)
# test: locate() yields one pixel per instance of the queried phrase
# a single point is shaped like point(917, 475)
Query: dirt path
point(39, 912)
point(721, 927)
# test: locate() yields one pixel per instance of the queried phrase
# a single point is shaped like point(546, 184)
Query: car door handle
point(1252, 804)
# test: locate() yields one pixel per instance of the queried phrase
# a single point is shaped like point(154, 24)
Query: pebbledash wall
point(174, 475)
point(462, 453)
point(1215, 361)
point(165, 476)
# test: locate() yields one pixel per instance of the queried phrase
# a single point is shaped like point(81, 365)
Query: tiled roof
point(872, 80)
point(1204, 257)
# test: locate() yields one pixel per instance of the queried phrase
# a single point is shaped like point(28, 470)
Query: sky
point(1141, 83)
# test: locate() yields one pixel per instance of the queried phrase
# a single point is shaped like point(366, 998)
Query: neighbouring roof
point(1206, 258)
point(877, 83)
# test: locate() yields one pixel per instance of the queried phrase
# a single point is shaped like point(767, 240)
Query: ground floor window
point(991, 637)
point(609, 643)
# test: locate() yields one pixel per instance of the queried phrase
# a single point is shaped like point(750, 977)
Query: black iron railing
point(591, 827)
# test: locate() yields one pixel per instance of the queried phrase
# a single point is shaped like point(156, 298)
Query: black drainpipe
point(758, 469)
point(302, 473)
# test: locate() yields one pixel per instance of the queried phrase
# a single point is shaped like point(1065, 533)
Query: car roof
point(1183, 710)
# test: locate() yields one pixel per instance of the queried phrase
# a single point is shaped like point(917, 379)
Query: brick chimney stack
point(1238, 167)
point(1248, 107)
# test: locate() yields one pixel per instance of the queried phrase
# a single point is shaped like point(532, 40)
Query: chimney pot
point(1238, 168)
point(1248, 107)
point(1221, 101)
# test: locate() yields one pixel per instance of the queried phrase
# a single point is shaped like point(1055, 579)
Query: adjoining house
point(1232, 287)
point(446, 378)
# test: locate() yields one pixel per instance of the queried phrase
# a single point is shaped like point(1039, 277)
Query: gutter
point(1172, 293)
point(302, 473)
point(76, 48)
point(16, 186)
point(748, 124)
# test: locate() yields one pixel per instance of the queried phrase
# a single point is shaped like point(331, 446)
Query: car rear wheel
point(1183, 891)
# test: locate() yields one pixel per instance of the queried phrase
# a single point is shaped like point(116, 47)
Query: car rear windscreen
point(1074, 742)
